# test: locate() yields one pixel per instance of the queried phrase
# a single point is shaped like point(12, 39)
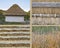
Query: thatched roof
point(15, 10)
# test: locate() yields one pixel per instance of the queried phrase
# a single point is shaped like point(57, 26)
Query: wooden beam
point(45, 15)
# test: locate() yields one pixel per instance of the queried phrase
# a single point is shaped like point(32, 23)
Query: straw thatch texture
point(45, 21)
point(46, 10)
point(46, 37)
point(45, 0)
point(14, 36)
point(15, 10)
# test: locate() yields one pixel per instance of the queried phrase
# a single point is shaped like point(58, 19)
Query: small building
point(14, 14)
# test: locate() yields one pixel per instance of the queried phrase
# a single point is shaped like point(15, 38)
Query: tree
point(27, 17)
point(1, 12)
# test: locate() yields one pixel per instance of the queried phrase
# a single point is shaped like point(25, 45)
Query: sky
point(6, 4)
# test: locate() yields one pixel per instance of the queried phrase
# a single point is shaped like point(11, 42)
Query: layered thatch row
point(12, 36)
point(46, 10)
point(45, 21)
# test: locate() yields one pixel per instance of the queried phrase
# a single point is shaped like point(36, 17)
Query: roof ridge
point(15, 10)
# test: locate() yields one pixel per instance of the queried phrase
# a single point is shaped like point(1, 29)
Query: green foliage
point(2, 19)
point(27, 17)
point(45, 29)
point(1, 12)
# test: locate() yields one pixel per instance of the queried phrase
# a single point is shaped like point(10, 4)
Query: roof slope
point(15, 10)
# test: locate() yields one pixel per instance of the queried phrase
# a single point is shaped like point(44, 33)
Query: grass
point(46, 40)
point(45, 29)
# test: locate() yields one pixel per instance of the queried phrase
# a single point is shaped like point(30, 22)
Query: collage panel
point(45, 24)
point(45, 12)
point(46, 37)
point(13, 36)
point(15, 24)
point(14, 12)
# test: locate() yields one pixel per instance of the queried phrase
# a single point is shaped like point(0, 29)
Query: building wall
point(14, 19)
